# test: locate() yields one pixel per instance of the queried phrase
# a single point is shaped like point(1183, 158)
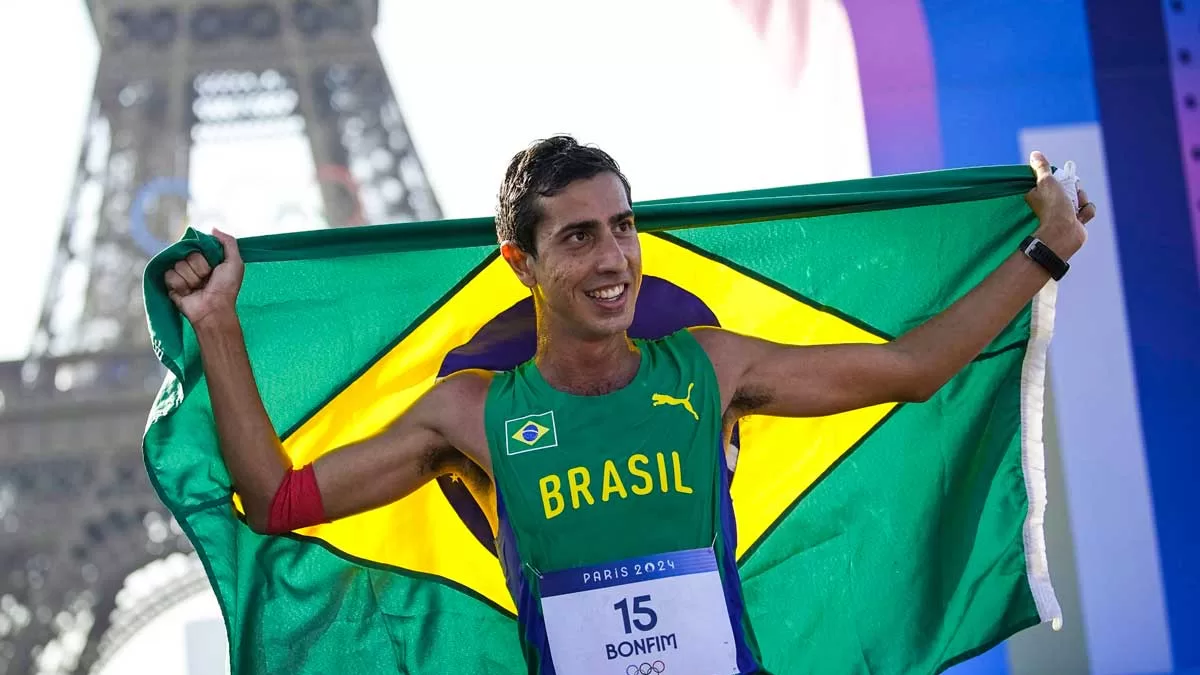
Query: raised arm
point(762, 377)
point(418, 446)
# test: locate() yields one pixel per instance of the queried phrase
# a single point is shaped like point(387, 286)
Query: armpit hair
point(449, 461)
point(438, 461)
point(746, 401)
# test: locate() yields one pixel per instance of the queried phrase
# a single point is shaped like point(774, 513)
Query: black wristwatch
point(1041, 254)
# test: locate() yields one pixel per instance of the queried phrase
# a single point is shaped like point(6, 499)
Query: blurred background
point(125, 121)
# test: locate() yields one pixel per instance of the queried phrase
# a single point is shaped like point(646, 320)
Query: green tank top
point(602, 496)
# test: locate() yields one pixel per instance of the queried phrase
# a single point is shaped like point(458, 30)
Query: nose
point(610, 254)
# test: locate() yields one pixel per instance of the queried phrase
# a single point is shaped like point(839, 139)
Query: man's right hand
point(201, 291)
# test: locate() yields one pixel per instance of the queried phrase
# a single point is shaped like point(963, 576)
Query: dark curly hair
point(544, 169)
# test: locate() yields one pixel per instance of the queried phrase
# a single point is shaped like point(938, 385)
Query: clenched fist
point(201, 291)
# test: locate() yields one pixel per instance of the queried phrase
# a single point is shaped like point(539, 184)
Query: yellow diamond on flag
point(778, 459)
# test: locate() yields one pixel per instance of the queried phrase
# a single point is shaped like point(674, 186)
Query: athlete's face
point(588, 266)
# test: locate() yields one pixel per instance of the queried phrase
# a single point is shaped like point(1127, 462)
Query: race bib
point(664, 613)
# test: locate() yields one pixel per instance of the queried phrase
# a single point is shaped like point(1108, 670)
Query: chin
point(607, 329)
point(597, 328)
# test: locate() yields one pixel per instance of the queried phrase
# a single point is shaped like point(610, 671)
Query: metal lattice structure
point(77, 513)
point(170, 71)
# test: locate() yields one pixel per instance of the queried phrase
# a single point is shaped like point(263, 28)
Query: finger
point(1082, 195)
point(1040, 164)
point(1087, 210)
point(189, 275)
point(199, 265)
point(232, 253)
point(1087, 213)
point(175, 283)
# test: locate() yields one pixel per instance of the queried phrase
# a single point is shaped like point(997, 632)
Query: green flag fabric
point(893, 539)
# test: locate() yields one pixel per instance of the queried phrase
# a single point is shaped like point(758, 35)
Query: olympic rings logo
point(151, 244)
point(646, 668)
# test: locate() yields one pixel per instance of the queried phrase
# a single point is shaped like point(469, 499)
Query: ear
point(520, 262)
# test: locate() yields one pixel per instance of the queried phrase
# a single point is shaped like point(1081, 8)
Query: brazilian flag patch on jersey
point(529, 433)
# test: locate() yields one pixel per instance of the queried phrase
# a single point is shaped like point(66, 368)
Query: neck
point(586, 367)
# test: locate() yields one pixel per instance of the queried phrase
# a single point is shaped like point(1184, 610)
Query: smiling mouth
point(609, 295)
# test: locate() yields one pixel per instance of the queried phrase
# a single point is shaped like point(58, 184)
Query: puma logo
point(686, 402)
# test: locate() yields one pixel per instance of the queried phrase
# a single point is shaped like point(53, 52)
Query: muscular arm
point(762, 377)
point(376, 471)
point(251, 449)
point(803, 381)
point(419, 445)
point(439, 434)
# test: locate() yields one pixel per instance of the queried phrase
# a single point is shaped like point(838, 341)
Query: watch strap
point(1036, 250)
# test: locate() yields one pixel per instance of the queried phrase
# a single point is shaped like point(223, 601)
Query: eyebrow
point(585, 224)
point(627, 213)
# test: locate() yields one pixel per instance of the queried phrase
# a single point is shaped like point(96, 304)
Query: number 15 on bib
point(663, 613)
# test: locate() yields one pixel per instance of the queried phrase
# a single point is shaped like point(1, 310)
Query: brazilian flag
point(892, 539)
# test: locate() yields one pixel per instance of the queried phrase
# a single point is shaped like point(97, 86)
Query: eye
point(625, 226)
point(577, 237)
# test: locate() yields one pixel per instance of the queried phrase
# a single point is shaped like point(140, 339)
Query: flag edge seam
point(1033, 454)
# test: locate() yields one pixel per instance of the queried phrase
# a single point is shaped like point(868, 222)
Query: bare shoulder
point(727, 350)
point(466, 387)
point(714, 340)
point(454, 407)
point(729, 353)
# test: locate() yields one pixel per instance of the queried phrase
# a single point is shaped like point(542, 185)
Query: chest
point(592, 474)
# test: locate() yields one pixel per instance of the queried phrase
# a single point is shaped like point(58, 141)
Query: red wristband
point(297, 502)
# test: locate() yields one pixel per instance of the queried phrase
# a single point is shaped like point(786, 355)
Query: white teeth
point(607, 293)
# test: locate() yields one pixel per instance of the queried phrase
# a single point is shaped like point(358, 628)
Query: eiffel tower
point(77, 513)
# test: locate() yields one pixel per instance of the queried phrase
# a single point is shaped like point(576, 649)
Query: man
point(616, 534)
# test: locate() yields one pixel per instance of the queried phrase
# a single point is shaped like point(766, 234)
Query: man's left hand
point(1062, 227)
